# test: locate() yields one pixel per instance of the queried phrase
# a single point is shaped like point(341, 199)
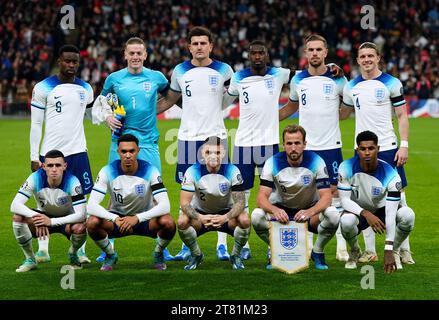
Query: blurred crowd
point(407, 33)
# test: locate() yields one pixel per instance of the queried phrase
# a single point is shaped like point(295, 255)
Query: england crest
point(62, 201)
point(269, 83)
point(224, 187)
point(288, 237)
point(306, 179)
point(139, 189)
point(328, 88)
point(376, 191)
point(379, 94)
point(81, 96)
point(147, 86)
point(213, 81)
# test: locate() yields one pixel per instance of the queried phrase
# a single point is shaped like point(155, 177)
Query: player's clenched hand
point(401, 156)
point(376, 224)
point(41, 220)
point(389, 261)
point(206, 220)
point(42, 232)
point(280, 215)
point(336, 70)
point(35, 165)
point(127, 223)
point(219, 219)
point(303, 215)
point(113, 123)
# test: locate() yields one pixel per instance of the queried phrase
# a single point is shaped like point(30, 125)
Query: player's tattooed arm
point(238, 204)
point(190, 211)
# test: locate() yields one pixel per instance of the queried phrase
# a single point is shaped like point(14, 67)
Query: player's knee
point(18, 218)
point(347, 222)
point(259, 220)
point(332, 217)
point(183, 222)
point(406, 218)
point(167, 222)
point(93, 224)
point(244, 221)
point(78, 228)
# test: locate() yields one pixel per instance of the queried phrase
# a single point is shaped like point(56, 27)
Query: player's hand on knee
point(206, 220)
point(128, 223)
point(41, 220)
point(389, 261)
point(375, 223)
point(281, 216)
point(35, 165)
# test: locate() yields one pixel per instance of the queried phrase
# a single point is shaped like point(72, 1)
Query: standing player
point(375, 95)
point(139, 204)
point(137, 89)
point(200, 82)
point(295, 185)
point(370, 195)
point(257, 137)
point(60, 209)
point(61, 101)
point(316, 92)
point(212, 199)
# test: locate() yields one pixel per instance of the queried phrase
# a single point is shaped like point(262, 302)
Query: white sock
point(24, 238)
point(405, 220)
point(112, 242)
point(369, 240)
point(161, 244)
point(43, 244)
point(241, 238)
point(405, 245)
point(260, 225)
point(325, 233)
point(247, 246)
point(349, 230)
point(222, 239)
point(189, 237)
point(77, 240)
point(310, 241)
point(105, 245)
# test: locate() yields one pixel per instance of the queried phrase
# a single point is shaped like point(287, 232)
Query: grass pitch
point(134, 278)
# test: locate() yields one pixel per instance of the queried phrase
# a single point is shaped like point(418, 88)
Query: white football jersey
point(55, 202)
point(373, 101)
point(258, 105)
point(369, 191)
point(213, 191)
point(130, 195)
point(64, 107)
point(319, 102)
point(202, 91)
point(295, 187)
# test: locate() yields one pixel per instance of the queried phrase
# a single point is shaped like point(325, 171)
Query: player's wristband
point(388, 247)
point(404, 144)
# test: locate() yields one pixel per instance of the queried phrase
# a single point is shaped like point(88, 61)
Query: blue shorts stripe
point(37, 106)
point(188, 190)
point(159, 191)
point(78, 202)
point(104, 193)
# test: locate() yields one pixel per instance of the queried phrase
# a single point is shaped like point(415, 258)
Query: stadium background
point(30, 35)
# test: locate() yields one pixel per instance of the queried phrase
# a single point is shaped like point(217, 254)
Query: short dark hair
point(199, 31)
point(134, 40)
point(293, 128)
point(367, 136)
point(68, 48)
point(128, 138)
point(369, 45)
point(316, 37)
point(53, 154)
point(257, 43)
point(213, 141)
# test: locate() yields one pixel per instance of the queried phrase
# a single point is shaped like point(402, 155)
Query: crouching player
point(212, 199)
point(370, 195)
point(139, 204)
point(60, 209)
point(295, 186)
